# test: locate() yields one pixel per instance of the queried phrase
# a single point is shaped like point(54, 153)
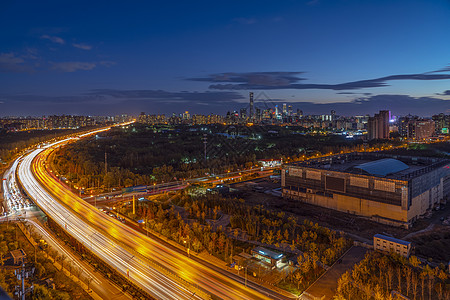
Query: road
point(99, 285)
point(129, 252)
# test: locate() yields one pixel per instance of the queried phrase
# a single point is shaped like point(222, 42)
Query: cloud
point(30, 98)
point(110, 101)
point(54, 39)
point(352, 93)
point(446, 69)
point(82, 46)
point(72, 66)
point(445, 93)
point(10, 63)
point(397, 104)
point(161, 96)
point(289, 80)
point(270, 79)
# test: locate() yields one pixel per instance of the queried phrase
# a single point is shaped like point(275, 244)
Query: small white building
point(270, 163)
point(388, 244)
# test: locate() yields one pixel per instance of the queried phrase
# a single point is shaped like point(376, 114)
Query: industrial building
point(389, 244)
point(389, 189)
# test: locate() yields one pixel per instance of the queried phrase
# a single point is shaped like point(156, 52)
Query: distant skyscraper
point(243, 113)
point(333, 115)
point(258, 114)
point(284, 109)
point(378, 125)
point(299, 113)
point(290, 110)
point(251, 105)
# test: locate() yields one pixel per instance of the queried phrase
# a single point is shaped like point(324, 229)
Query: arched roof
point(383, 166)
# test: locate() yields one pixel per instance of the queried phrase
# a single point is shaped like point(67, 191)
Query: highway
point(33, 215)
point(146, 260)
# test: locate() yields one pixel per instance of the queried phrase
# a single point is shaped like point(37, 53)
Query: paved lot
point(327, 284)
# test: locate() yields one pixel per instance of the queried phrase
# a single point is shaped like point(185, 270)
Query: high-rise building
point(251, 105)
point(257, 116)
point(243, 114)
point(290, 110)
point(442, 123)
point(333, 115)
point(378, 125)
point(424, 129)
point(284, 109)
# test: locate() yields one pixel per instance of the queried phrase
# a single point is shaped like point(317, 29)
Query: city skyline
point(317, 56)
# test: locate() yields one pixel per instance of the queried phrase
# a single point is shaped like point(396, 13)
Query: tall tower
point(251, 105)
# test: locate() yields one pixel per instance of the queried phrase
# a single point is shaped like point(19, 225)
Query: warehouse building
point(389, 189)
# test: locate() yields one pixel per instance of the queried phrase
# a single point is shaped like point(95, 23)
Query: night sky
point(114, 57)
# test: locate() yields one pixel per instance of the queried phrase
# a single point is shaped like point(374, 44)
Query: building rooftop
point(376, 164)
point(269, 253)
point(392, 239)
point(383, 166)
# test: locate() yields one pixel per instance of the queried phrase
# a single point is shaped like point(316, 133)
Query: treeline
point(380, 276)
point(12, 143)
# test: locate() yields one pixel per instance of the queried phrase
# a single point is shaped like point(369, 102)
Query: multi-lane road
point(147, 262)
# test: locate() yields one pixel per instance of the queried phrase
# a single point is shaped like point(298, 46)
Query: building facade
point(378, 125)
point(389, 244)
point(393, 190)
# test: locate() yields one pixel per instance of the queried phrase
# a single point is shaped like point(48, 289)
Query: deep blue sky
point(109, 57)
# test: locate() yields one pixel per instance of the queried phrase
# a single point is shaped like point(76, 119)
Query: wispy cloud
point(11, 63)
point(72, 66)
point(54, 39)
point(82, 46)
point(290, 80)
point(161, 96)
point(352, 93)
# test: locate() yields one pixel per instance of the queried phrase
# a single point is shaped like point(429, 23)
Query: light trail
point(147, 260)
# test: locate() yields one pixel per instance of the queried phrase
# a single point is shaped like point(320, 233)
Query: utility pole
point(106, 163)
point(21, 275)
point(205, 142)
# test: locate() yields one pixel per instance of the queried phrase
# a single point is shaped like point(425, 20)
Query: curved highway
point(147, 262)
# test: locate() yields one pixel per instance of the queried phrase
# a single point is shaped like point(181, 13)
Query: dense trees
point(145, 154)
point(377, 275)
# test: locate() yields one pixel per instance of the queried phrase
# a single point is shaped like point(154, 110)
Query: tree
point(379, 295)
point(399, 279)
point(41, 292)
point(390, 275)
point(408, 273)
point(299, 279)
point(414, 261)
point(423, 275)
point(431, 279)
point(3, 251)
point(415, 283)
